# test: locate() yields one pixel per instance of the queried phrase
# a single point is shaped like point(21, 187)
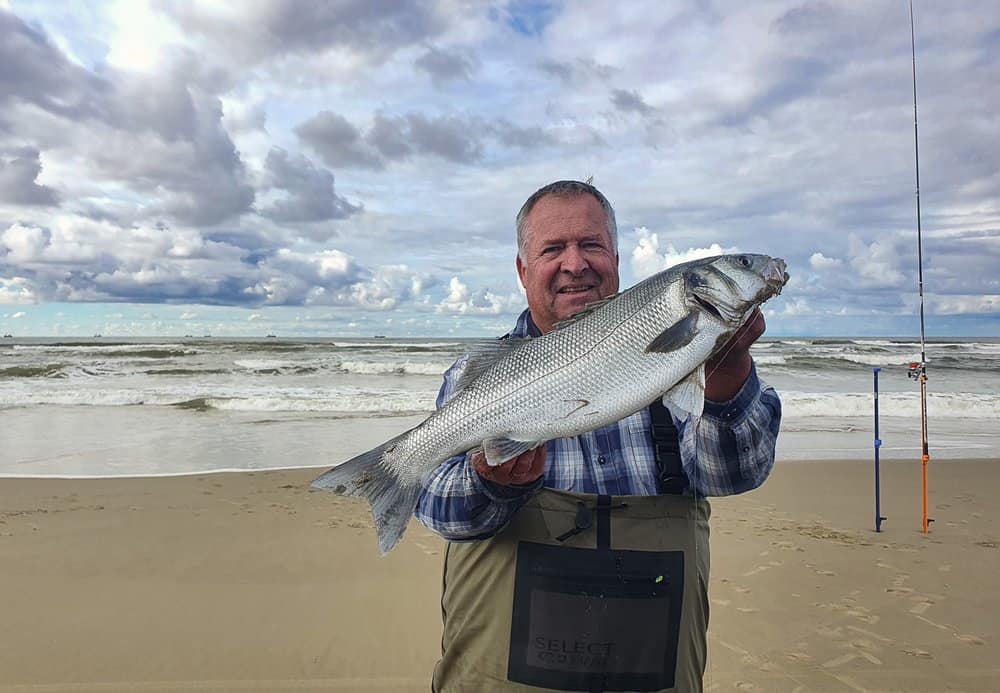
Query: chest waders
point(582, 592)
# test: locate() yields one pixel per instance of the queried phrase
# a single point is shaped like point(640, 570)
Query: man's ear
point(521, 269)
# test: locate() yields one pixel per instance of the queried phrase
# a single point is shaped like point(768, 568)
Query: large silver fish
point(606, 362)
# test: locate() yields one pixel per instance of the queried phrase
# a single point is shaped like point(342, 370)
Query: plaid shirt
point(729, 449)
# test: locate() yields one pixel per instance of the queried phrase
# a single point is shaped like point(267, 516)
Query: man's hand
point(726, 372)
point(519, 471)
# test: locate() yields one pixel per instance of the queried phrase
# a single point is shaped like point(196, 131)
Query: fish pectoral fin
point(482, 356)
point(689, 394)
point(499, 450)
point(676, 336)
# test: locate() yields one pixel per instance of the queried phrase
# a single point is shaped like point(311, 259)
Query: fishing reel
point(916, 370)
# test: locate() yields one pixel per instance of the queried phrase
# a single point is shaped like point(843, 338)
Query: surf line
point(918, 370)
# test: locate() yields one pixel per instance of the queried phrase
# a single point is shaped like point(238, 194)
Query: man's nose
point(573, 260)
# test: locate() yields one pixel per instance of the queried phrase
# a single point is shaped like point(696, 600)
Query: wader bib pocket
point(595, 620)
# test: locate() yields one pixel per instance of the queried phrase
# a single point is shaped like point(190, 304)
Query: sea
point(100, 407)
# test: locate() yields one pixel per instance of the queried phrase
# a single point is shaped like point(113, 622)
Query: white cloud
point(795, 307)
point(19, 314)
point(962, 305)
point(17, 291)
point(877, 264)
point(464, 301)
point(648, 258)
point(822, 263)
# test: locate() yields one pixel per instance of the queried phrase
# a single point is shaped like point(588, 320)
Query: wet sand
point(252, 582)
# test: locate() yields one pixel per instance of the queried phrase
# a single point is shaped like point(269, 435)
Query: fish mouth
point(775, 274)
point(706, 306)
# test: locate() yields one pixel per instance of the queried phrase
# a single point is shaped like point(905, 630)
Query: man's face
point(569, 260)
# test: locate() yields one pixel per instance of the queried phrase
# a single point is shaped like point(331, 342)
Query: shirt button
point(601, 459)
point(746, 448)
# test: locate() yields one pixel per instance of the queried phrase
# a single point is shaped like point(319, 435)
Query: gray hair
point(566, 188)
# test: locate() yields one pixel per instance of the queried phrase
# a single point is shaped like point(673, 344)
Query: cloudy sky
point(353, 167)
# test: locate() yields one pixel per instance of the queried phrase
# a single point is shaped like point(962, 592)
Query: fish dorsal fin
point(676, 336)
point(584, 312)
point(688, 395)
point(483, 355)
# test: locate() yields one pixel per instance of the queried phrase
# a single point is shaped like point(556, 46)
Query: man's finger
point(522, 469)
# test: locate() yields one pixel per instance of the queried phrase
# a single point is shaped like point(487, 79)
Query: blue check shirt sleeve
point(730, 448)
point(456, 502)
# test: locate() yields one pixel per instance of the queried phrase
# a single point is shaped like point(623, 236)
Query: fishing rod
point(919, 370)
point(878, 444)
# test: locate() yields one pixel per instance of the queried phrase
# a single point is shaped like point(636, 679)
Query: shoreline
point(251, 581)
point(891, 460)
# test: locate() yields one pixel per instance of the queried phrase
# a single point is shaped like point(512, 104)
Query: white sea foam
point(386, 367)
point(267, 364)
point(770, 360)
point(359, 403)
point(103, 348)
point(832, 406)
point(197, 394)
point(380, 344)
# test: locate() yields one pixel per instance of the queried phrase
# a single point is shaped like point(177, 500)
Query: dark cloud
point(338, 142)
point(180, 153)
point(447, 65)
point(311, 196)
point(449, 137)
point(388, 135)
point(392, 138)
point(809, 16)
point(161, 137)
point(511, 135)
point(563, 71)
point(18, 171)
point(34, 71)
point(785, 80)
point(579, 70)
point(630, 102)
point(264, 30)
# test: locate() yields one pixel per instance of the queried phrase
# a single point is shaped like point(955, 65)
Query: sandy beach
point(252, 582)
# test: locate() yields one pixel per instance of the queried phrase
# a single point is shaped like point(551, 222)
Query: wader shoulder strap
point(673, 480)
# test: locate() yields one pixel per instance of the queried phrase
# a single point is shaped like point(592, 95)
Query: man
point(583, 564)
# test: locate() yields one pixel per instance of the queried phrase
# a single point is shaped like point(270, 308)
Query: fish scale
point(603, 364)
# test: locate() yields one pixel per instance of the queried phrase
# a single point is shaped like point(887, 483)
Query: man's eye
point(550, 250)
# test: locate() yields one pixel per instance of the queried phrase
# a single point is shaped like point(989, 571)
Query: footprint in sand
point(798, 656)
point(972, 639)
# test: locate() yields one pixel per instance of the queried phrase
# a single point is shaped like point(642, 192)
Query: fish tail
point(367, 476)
